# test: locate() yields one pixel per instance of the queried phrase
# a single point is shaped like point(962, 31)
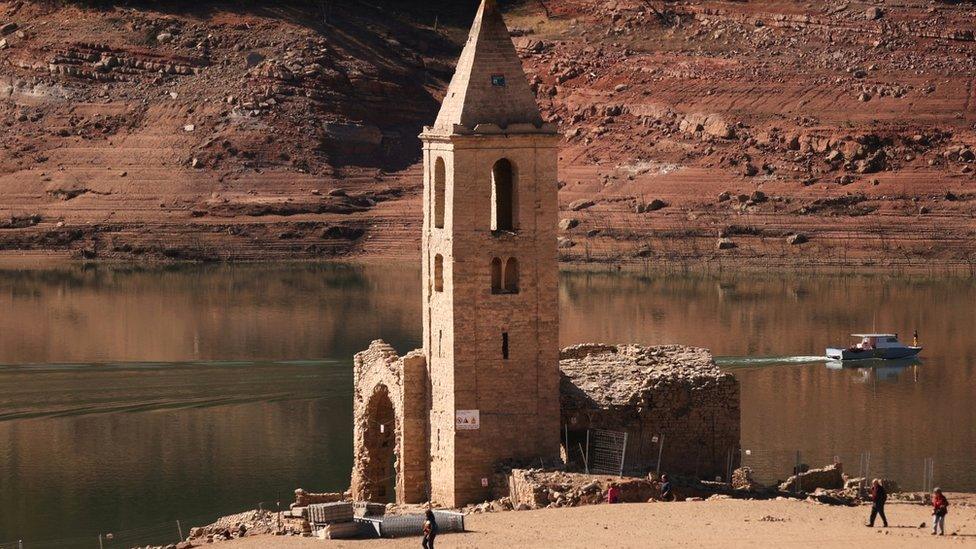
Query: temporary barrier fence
point(606, 452)
point(398, 526)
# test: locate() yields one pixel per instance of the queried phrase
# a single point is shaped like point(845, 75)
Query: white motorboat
point(878, 346)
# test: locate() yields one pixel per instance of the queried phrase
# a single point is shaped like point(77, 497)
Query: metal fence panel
point(606, 452)
point(399, 526)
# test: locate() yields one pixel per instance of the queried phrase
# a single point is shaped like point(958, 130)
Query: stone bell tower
point(490, 315)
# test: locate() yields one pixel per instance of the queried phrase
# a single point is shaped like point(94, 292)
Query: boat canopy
point(874, 335)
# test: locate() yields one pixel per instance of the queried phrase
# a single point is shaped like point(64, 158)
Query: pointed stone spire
point(489, 85)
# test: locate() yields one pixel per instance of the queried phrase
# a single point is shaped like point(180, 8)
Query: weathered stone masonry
point(669, 391)
point(485, 389)
point(390, 415)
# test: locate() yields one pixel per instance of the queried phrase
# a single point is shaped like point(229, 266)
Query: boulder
point(581, 204)
point(726, 244)
point(830, 477)
point(797, 239)
point(709, 124)
point(652, 206)
point(742, 480)
point(568, 224)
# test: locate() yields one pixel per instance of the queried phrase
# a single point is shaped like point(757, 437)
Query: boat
point(877, 346)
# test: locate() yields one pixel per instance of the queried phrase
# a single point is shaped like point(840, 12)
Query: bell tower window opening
point(440, 184)
point(505, 345)
point(511, 276)
point(496, 276)
point(438, 273)
point(503, 196)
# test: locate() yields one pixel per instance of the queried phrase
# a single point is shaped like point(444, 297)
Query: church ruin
point(434, 424)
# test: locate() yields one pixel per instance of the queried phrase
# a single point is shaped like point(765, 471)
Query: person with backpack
point(878, 498)
point(940, 508)
point(430, 530)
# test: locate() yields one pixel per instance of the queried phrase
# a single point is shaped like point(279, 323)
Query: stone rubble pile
point(523, 489)
point(671, 400)
point(616, 375)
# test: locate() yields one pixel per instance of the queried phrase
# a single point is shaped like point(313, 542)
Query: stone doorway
point(380, 445)
point(390, 415)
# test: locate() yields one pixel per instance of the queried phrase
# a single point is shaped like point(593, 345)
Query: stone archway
point(381, 466)
point(390, 414)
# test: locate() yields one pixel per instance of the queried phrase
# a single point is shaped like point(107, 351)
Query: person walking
point(940, 508)
point(430, 530)
point(878, 497)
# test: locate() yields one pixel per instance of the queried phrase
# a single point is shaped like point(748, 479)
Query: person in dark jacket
point(430, 530)
point(878, 497)
point(940, 508)
point(667, 492)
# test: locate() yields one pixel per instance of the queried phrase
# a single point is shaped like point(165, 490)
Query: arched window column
point(440, 188)
point(504, 197)
point(496, 276)
point(438, 273)
point(511, 278)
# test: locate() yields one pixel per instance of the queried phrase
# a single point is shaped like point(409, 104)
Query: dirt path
point(722, 523)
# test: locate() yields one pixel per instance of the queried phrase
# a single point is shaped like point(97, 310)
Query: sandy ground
point(723, 523)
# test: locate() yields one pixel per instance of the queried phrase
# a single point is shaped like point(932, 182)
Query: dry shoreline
point(711, 523)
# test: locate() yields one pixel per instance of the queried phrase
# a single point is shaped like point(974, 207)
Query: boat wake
point(72, 390)
point(745, 361)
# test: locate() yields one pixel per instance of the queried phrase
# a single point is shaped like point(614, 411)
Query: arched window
point(503, 197)
point(438, 273)
point(496, 276)
point(511, 276)
point(440, 177)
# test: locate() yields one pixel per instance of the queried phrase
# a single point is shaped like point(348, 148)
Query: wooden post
point(796, 472)
point(660, 452)
point(586, 461)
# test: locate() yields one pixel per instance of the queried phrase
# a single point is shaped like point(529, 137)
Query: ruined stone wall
point(674, 393)
point(389, 417)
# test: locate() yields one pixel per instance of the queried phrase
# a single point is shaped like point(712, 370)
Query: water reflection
point(133, 395)
point(879, 370)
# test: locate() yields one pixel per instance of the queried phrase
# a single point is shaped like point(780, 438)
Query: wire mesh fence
point(606, 451)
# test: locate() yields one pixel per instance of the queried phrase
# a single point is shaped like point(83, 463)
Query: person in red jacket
point(613, 494)
point(940, 508)
point(878, 498)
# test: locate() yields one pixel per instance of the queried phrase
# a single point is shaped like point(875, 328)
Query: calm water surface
point(132, 397)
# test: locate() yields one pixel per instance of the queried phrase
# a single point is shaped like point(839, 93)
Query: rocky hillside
point(773, 131)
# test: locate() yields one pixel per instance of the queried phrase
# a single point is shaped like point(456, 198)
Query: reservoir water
point(132, 397)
